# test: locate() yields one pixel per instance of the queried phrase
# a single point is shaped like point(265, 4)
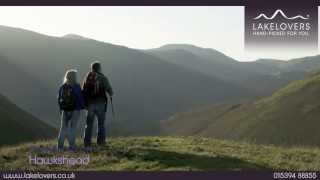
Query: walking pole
point(112, 108)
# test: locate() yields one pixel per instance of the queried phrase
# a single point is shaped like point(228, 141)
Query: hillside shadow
point(171, 159)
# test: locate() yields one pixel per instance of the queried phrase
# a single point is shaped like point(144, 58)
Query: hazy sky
point(220, 28)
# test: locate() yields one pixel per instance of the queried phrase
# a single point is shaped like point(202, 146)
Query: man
point(95, 87)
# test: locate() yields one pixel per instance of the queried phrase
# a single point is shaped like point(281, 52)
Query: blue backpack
point(67, 99)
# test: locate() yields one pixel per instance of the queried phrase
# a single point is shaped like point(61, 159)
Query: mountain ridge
point(149, 87)
point(130, 71)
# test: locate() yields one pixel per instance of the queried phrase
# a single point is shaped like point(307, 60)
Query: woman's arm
point(80, 96)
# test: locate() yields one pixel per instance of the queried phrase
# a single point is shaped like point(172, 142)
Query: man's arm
point(107, 85)
point(84, 91)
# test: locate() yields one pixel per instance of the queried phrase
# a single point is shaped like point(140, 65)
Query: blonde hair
point(70, 77)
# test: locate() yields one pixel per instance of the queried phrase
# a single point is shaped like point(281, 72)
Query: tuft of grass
point(168, 154)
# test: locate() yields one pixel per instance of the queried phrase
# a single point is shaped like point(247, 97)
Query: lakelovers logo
point(281, 28)
point(279, 11)
point(291, 28)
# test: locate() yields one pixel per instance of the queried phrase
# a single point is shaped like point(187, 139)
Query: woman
point(71, 102)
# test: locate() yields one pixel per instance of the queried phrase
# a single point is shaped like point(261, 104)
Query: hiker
point(95, 88)
point(70, 101)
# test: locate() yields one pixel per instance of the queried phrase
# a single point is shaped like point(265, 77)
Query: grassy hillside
point(18, 126)
point(289, 117)
point(168, 154)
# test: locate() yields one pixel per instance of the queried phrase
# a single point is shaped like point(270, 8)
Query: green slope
point(168, 154)
point(289, 117)
point(17, 126)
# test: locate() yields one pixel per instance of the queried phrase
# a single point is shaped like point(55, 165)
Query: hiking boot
point(101, 144)
point(73, 148)
point(88, 149)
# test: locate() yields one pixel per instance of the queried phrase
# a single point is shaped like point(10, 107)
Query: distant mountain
point(269, 75)
point(306, 64)
point(289, 117)
point(74, 36)
point(17, 126)
point(150, 85)
point(205, 53)
point(147, 88)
